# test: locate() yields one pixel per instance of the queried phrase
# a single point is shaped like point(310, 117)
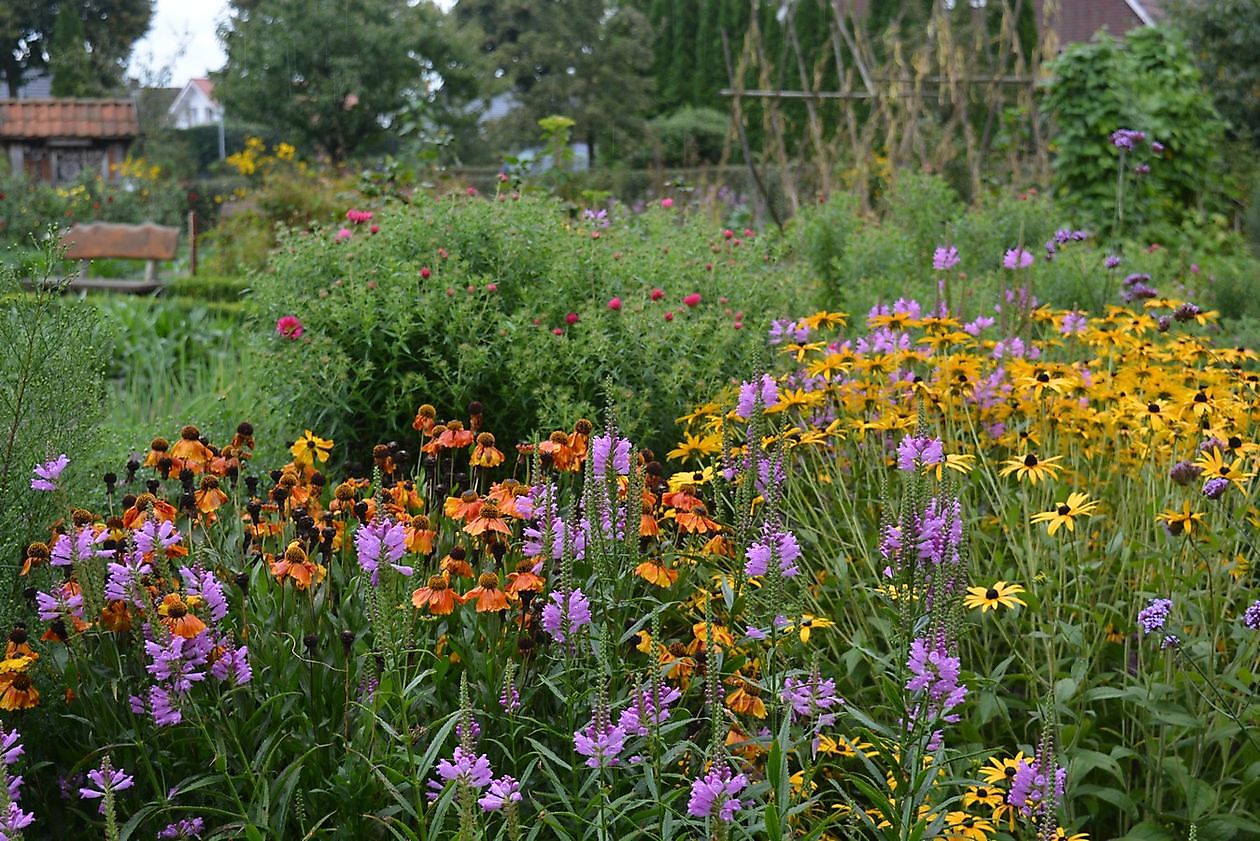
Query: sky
point(183, 37)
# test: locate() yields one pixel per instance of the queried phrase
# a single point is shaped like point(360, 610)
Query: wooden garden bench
point(134, 242)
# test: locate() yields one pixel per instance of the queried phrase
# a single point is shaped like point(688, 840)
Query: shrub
point(508, 303)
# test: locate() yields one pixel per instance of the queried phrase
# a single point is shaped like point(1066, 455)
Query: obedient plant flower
point(769, 390)
point(185, 828)
point(381, 541)
point(609, 450)
point(503, 791)
point(773, 542)
point(919, 450)
point(713, 795)
point(13, 820)
point(944, 258)
point(599, 741)
point(107, 782)
point(649, 708)
point(566, 615)
point(812, 698)
point(1017, 258)
point(464, 768)
point(66, 551)
point(935, 674)
point(47, 474)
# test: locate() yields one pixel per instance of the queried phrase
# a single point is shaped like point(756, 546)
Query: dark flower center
point(1030, 460)
point(1043, 377)
point(1064, 510)
point(991, 594)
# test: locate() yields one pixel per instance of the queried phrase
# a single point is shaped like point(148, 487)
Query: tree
point(70, 61)
point(110, 27)
point(336, 75)
point(1225, 38)
point(589, 60)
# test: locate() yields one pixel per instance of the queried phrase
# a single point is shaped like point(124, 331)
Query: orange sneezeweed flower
point(696, 520)
point(209, 497)
point(557, 447)
point(463, 507)
point(19, 644)
point(487, 593)
point(419, 536)
point(426, 417)
point(506, 493)
point(746, 698)
point(181, 622)
point(456, 563)
point(189, 452)
point(17, 690)
point(487, 519)
point(654, 571)
point(116, 616)
point(524, 578)
point(454, 436)
point(147, 503)
point(485, 454)
point(37, 554)
point(437, 595)
point(297, 566)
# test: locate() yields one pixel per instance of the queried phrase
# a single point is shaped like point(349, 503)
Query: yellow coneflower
point(1031, 467)
point(1213, 464)
point(1180, 522)
point(999, 594)
point(1064, 513)
point(982, 796)
point(1002, 771)
point(696, 447)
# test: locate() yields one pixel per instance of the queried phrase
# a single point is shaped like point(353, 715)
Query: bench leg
point(83, 269)
point(150, 271)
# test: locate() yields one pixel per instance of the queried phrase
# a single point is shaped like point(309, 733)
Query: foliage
point(688, 136)
point(1083, 446)
point(1146, 83)
point(139, 192)
point(466, 299)
point(51, 397)
point(332, 76)
point(110, 27)
point(1223, 35)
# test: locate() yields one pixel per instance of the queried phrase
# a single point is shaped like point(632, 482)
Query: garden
point(519, 511)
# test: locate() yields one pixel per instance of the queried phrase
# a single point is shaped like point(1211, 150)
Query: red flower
point(669, 316)
point(658, 293)
point(425, 273)
point(614, 303)
point(289, 326)
point(571, 318)
point(692, 300)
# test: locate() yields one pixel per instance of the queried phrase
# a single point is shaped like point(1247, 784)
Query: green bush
point(492, 321)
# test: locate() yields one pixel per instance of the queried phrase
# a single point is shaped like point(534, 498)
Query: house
point(195, 106)
point(56, 140)
point(1075, 21)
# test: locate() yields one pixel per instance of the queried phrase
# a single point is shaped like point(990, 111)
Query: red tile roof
point(30, 119)
point(205, 86)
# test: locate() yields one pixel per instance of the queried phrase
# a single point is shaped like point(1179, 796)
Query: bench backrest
point(136, 242)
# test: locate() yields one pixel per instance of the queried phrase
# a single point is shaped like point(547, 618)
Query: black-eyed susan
point(1064, 513)
point(1031, 467)
point(1061, 834)
point(961, 826)
point(808, 623)
point(1214, 465)
point(17, 690)
point(1181, 522)
point(983, 795)
point(998, 594)
point(1002, 771)
point(696, 447)
point(311, 448)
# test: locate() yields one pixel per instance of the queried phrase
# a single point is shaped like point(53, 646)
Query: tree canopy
point(97, 54)
point(335, 75)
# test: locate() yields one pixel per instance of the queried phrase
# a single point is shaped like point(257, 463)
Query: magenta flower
point(502, 791)
point(289, 326)
point(649, 707)
point(748, 391)
point(358, 217)
point(599, 741)
point(10, 748)
point(186, 828)
point(47, 474)
point(919, 451)
point(1017, 258)
point(13, 820)
point(466, 768)
point(813, 697)
point(343, 235)
point(714, 794)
